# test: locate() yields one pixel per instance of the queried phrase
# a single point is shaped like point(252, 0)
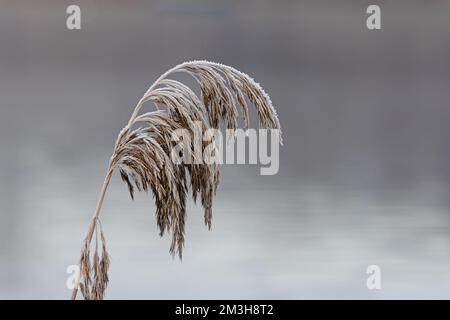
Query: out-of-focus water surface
point(363, 177)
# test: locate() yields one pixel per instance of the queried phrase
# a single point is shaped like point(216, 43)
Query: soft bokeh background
point(364, 176)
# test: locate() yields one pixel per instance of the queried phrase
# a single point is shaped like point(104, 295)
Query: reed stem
point(93, 223)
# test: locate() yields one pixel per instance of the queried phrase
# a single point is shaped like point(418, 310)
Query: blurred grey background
point(364, 176)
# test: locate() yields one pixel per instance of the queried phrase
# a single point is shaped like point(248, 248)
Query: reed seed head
point(142, 152)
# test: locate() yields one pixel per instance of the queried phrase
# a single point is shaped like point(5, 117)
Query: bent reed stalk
point(143, 148)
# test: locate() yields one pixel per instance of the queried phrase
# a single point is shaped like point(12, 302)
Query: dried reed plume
point(142, 154)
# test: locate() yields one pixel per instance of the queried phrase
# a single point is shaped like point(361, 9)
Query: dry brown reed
point(142, 154)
